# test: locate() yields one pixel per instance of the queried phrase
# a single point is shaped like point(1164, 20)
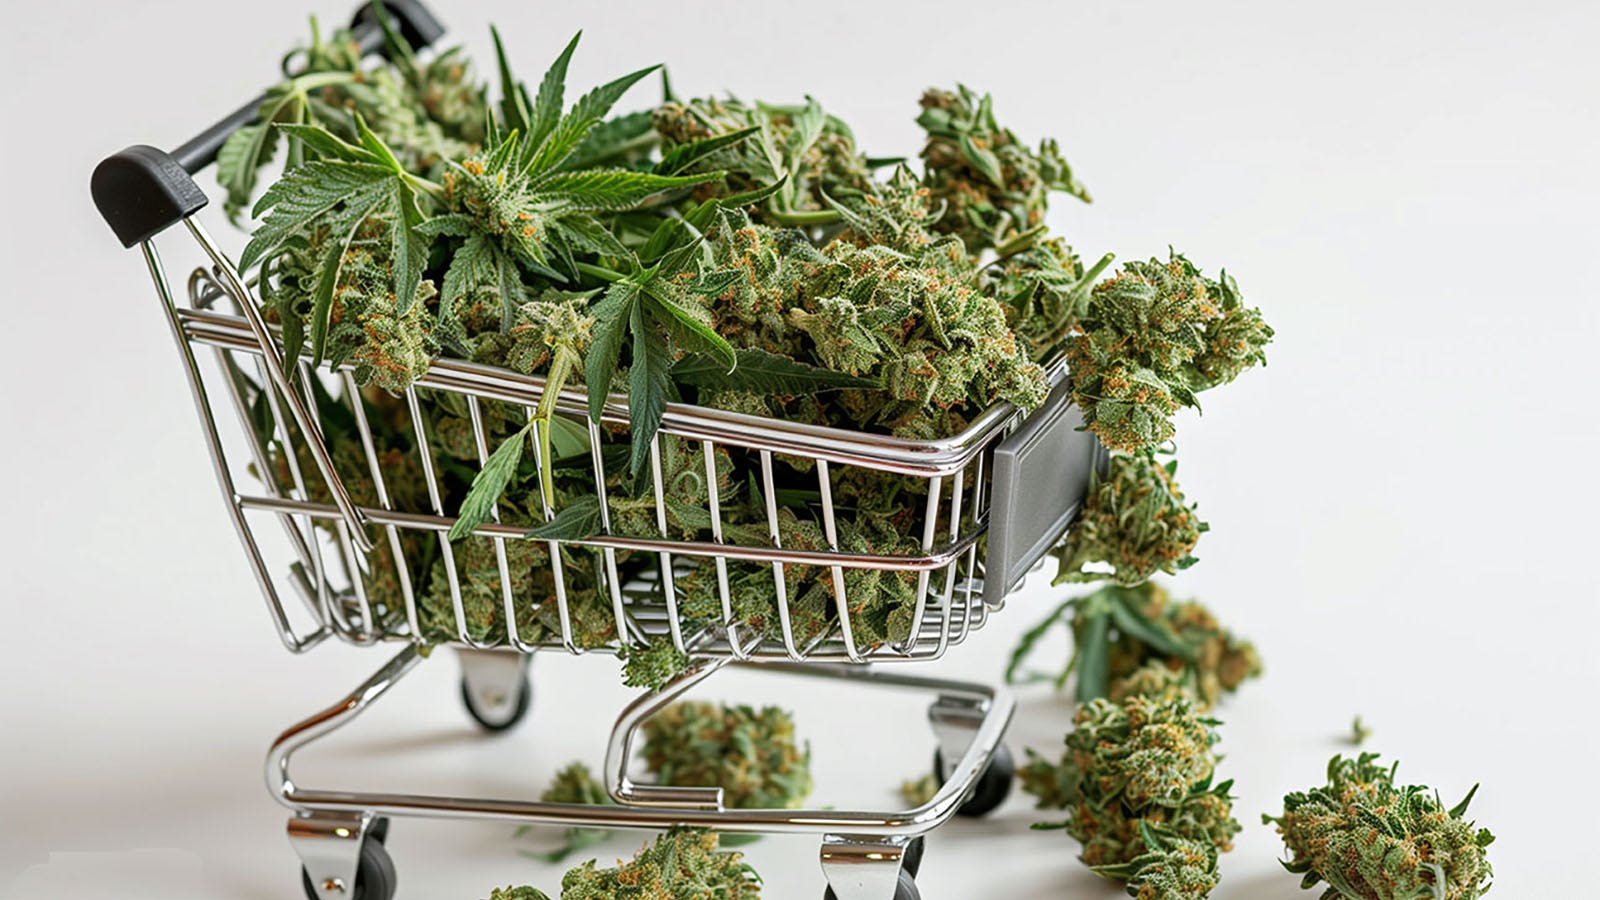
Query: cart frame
point(338, 835)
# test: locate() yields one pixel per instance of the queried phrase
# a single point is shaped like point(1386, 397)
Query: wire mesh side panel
point(721, 546)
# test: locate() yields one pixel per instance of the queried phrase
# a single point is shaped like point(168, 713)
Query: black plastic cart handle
point(141, 191)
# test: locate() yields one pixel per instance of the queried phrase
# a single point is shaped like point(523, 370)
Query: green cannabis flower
point(1135, 520)
point(914, 324)
point(993, 185)
point(1138, 764)
point(1151, 337)
point(1371, 840)
point(1045, 291)
point(810, 155)
point(751, 754)
point(653, 664)
point(682, 863)
point(1170, 868)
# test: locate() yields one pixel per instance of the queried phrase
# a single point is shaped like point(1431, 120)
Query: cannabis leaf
point(490, 484)
point(578, 520)
point(252, 146)
point(356, 188)
point(643, 304)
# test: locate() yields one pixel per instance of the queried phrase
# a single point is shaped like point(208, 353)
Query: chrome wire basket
point(993, 499)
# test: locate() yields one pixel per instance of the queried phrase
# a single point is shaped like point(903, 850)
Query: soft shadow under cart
point(998, 496)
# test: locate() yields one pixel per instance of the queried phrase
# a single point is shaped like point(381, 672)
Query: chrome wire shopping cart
point(998, 496)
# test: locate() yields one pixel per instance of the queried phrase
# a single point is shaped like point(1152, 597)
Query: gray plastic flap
point(1041, 472)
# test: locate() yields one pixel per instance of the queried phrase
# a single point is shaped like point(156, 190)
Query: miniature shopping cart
point(998, 496)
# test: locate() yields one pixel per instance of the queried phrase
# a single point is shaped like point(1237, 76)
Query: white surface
point(1403, 502)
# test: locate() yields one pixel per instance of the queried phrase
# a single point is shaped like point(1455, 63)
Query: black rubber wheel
point(993, 786)
point(912, 861)
point(379, 829)
point(904, 889)
point(491, 725)
point(375, 878)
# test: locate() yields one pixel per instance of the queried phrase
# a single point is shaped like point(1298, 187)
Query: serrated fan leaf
point(588, 234)
point(1093, 658)
point(478, 266)
point(514, 108)
point(806, 126)
point(580, 519)
point(408, 247)
point(612, 315)
point(685, 155)
point(547, 105)
point(490, 484)
point(613, 138)
point(649, 373)
point(568, 133)
point(702, 216)
point(764, 373)
point(330, 275)
point(325, 142)
point(1134, 624)
point(613, 190)
point(304, 197)
point(690, 328)
point(238, 159)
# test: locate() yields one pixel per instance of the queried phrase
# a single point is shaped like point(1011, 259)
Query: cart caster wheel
point(379, 829)
point(993, 787)
point(497, 721)
point(375, 878)
point(912, 861)
point(904, 889)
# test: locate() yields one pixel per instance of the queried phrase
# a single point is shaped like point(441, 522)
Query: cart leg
point(495, 686)
point(329, 847)
point(866, 868)
point(955, 722)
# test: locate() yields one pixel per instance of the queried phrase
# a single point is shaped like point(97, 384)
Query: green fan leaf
point(649, 374)
point(578, 520)
point(490, 484)
point(613, 189)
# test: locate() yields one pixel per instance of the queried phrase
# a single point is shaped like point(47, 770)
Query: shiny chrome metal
point(270, 354)
point(329, 847)
point(981, 711)
point(862, 867)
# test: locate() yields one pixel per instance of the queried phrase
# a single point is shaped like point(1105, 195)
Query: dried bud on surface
point(1134, 769)
point(1369, 839)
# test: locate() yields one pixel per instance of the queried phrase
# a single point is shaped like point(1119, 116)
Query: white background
point(1404, 502)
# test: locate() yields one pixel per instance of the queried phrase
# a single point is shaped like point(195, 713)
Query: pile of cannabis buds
point(748, 257)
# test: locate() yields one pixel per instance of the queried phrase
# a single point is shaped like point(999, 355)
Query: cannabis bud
point(1134, 519)
point(680, 864)
point(1370, 840)
point(1131, 767)
point(992, 185)
point(751, 754)
point(1171, 867)
point(1153, 336)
